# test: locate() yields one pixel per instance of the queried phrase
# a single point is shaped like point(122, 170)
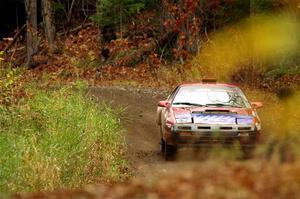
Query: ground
point(142, 133)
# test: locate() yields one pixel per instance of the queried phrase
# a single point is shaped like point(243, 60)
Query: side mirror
point(164, 104)
point(256, 104)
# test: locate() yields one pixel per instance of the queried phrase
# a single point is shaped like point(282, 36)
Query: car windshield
point(219, 96)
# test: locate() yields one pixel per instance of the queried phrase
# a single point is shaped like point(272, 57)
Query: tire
point(247, 152)
point(162, 146)
point(169, 151)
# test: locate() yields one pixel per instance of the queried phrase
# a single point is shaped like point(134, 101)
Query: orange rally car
point(203, 114)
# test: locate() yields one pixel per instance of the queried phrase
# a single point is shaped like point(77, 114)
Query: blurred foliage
point(204, 179)
point(265, 6)
point(280, 124)
point(259, 44)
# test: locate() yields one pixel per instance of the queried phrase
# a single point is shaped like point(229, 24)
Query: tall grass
point(59, 139)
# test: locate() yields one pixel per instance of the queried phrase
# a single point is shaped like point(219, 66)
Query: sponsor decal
point(222, 119)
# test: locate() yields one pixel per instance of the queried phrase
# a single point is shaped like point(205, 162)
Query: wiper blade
point(188, 104)
point(217, 104)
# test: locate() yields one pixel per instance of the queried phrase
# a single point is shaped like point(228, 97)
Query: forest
point(75, 75)
point(131, 36)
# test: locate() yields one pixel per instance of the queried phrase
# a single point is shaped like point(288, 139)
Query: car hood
point(226, 115)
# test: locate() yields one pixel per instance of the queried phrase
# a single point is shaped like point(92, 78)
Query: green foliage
point(218, 13)
point(279, 71)
point(60, 12)
point(8, 79)
point(1, 56)
point(260, 6)
point(59, 139)
point(90, 61)
point(113, 12)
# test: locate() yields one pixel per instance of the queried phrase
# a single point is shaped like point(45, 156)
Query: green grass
point(59, 139)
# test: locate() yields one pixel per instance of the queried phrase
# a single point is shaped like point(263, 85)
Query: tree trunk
point(48, 22)
point(32, 37)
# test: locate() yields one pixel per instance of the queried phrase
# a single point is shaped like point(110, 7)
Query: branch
point(70, 11)
point(14, 38)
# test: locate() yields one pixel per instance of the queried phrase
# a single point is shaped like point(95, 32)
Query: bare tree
point(49, 26)
point(32, 37)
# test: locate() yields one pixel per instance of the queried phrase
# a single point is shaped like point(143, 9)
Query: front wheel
point(167, 150)
point(162, 146)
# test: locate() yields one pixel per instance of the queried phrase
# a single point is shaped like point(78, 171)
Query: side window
point(173, 93)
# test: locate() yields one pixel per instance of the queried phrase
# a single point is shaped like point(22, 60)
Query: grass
point(59, 139)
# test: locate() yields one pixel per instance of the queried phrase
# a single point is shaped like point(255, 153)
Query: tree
point(113, 14)
point(32, 37)
point(49, 26)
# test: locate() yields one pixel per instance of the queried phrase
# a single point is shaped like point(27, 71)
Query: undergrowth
point(9, 83)
point(58, 139)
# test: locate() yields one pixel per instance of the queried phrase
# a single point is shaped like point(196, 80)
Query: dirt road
point(142, 134)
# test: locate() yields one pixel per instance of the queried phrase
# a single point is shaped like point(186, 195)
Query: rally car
point(207, 113)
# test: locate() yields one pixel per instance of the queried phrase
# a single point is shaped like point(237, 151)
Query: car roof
point(208, 84)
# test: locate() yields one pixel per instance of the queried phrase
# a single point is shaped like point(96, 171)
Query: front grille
point(204, 127)
point(248, 128)
point(184, 127)
point(226, 128)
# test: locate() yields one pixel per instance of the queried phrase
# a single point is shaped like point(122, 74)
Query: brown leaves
point(183, 18)
point(204, 180)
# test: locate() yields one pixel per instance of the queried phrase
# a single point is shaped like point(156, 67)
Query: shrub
point(58, 139)
point(9, 82)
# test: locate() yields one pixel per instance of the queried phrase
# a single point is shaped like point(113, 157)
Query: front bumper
point(193, 135)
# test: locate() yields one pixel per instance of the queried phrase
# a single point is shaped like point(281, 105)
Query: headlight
point(245, 120)
point(183, 118)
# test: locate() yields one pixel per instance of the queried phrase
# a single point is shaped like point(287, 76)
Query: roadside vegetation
point(59, 138)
